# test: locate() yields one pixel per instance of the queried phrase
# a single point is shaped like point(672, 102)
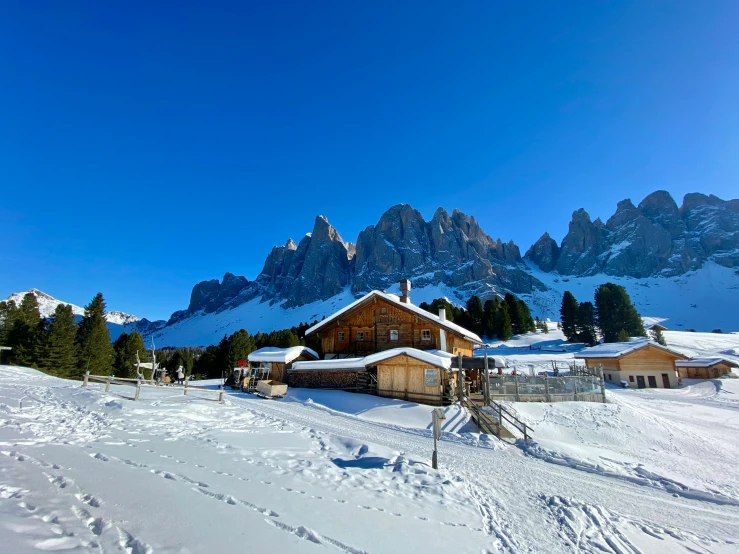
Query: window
point(426, 334)
point(340, 336)
point(631, 378)
point(393, 334)
point(430, 377)
point(360, 336)
point(383, 310)
point(609, 376)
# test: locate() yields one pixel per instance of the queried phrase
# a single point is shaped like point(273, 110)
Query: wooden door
point(652, 382)
point(640, 382)
point(666, 380)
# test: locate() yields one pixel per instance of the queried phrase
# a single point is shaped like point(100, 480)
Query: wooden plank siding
point(712, 372)
point(645, 362)
point(376, 321)
point(403, 378)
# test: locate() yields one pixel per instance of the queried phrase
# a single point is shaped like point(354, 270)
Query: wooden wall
point(713, 372)
point(648, 359)
point(403, 378)
point(376, 320)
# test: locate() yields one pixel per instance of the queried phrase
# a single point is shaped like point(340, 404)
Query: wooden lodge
point(641, 364)
point(705, 368)
point(383, 344)
point(380, 321)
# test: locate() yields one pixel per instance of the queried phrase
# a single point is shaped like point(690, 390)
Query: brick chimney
point(405, 289)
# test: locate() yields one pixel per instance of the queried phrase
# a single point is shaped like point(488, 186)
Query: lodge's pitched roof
point(705, 362)
point(620, 349)
point(447, 325)
point(435, 358)
point(272, 354)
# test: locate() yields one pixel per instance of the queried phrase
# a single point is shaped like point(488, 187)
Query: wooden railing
point(139, 383)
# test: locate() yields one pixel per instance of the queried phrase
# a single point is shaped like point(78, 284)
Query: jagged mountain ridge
point(654, 239)
point(447, 250)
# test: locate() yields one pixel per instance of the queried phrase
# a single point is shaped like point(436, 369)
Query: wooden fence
point(141, 383)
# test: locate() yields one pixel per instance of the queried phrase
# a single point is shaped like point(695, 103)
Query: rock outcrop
point(655, 238)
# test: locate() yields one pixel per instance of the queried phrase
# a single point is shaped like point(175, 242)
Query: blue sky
point(145, 146)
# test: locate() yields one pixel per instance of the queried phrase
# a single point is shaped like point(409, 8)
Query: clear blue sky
point(145, 146)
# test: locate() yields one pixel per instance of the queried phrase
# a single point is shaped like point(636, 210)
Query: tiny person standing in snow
point(180, 376)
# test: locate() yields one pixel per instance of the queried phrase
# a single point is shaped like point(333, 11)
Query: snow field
point(327, 471)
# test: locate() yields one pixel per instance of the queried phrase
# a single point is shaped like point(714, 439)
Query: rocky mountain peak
point(655, 238)
point(544, 253)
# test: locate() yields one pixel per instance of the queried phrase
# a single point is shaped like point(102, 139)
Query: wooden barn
point(705, 368)
point(274, 362)
point(379, 321)
point(640, 363)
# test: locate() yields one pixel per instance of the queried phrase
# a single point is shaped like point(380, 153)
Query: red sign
point(242, 363)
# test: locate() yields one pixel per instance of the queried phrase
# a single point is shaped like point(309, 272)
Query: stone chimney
point(442, 314)
point(405, 289)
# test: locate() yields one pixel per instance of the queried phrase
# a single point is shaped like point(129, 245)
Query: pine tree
point(93, 340)
point(240, 345)
point(488, 316)
point(622, 336)
point(503, 326)
point(25, 335)
point(515, 314)
point(125, 348)
point(8, 313)
point(658, 337)
point(527, 323)
point(475, 313)
point(568, 316)
point(616, 313)
point(60, 351)
point(586, 323)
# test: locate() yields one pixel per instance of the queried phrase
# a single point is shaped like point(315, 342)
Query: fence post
point(138, 389)
point(185, 394)
point(486, 381)
point(515, 382)
point(546, 386)
point(107, 385)
point(602, 383)
point(460, 379)
point(220, 396)
point(84, 380)
point(574, 388)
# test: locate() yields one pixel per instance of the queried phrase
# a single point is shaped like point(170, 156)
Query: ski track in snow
point(501, 497)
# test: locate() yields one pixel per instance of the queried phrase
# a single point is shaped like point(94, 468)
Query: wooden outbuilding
point(640, 363)
point(403, 373)
point(705, 368)
point(274, 362)
point(379, 321)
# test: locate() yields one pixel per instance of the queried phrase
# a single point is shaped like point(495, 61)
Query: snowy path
point(81, 470)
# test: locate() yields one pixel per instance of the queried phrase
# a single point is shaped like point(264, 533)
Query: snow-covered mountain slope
point(118, 322)
point(47, 304)
point(87, 471)
point(704, 299)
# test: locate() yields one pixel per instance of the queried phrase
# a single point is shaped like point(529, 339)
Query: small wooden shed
point(274, 362)
point(705, 368)
point(415, 375)
point(640, 363)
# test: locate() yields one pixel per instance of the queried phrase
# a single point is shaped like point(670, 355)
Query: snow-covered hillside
point(705, 299)
point(322, 471)
point(47, 304)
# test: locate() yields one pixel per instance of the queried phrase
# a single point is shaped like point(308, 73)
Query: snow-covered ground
point(705, 299)
point(539, 349)
point(325, 471)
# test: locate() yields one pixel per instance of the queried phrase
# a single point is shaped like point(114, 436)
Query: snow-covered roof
point(620, 349)
point(280, 355)
point(434, 358)
point(396, 300)
point(705, 362)
point(651, 321)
